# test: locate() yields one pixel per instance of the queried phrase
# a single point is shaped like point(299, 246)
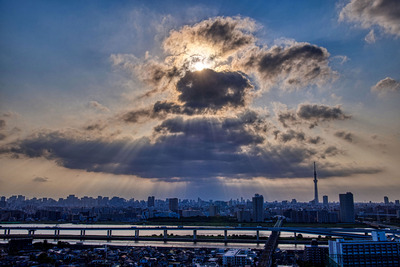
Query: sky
point(210, 99)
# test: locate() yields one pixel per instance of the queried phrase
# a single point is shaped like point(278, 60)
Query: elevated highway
point(106, 233)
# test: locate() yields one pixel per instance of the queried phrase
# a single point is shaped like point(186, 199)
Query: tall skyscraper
point(347, 207)
point(325, 200)
point(173, 204)
point(316, 201)
point(386, 200)
point(150, 201)
point(258, 208)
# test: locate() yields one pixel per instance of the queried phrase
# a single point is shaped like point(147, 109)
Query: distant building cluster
point(256, 210)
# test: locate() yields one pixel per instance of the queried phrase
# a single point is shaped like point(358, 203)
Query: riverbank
point(200, 223)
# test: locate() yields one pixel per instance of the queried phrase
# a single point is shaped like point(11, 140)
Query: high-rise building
point(347, 207)
point(314, 254)
point(375, 252)
point(3, 202)
point(325, 200)
point(386, 200)
point(213, 210)
point(316, 201)
point(397, 202)
point(173, 204)
point(258, 208)
point(150, 201)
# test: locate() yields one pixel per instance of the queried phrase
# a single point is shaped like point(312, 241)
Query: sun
point(199, 66)
point(199, 62)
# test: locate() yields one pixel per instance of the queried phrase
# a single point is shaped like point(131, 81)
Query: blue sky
point(280, 85)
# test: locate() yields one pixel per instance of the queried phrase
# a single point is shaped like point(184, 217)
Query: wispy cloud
point(40, 179)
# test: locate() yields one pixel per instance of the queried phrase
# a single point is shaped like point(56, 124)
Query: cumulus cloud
point(385, 86)
point(221, 35)
point(320, 112)
point(228, 44)
point(40, 179)
point(295, 65)
point(384, 14)
point(311, 114)
point(200, 97)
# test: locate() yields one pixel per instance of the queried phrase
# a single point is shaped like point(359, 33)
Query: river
point(158, 232)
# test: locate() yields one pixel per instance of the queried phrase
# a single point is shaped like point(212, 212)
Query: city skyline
point(215, 100)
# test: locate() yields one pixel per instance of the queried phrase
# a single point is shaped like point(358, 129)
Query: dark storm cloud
point(40, 179)
point(368, 13)
point(386, 85)
point(199, 92)
point(213, 90)
point(183, 150)
point(233, 131)
point(297, 65)
point(344, 135)
point(320, 112)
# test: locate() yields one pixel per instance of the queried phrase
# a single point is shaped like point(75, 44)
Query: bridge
point(133, 232)
point(270, 246)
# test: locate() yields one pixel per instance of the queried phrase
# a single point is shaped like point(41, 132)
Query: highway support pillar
point(165, 234)
point(136, 234)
